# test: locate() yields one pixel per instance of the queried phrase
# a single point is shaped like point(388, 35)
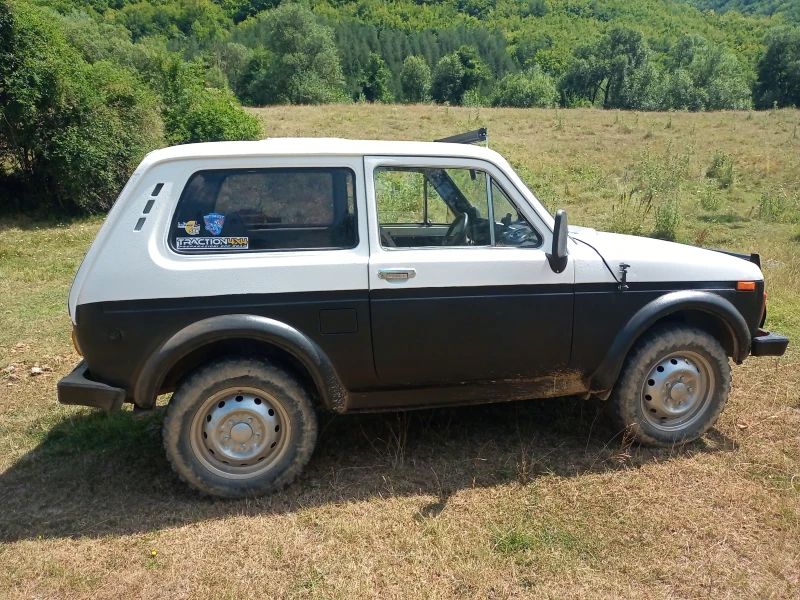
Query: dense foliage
point(136, 74)
point(80, 105)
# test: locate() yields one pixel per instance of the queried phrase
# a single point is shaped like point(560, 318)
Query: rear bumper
point(768, 344)
point(77, 389)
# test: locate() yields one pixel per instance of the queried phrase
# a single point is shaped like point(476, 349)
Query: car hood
point(653, 260)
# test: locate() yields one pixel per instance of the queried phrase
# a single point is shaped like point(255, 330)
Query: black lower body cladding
point(769, 344)
point(78, 389)
point(340, 324)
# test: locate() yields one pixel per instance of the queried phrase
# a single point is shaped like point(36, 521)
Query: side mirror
point(557, 257)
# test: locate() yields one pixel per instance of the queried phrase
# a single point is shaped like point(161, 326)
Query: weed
point(776, 206)
point(722, 169)
point(628, 213)
point(710, 199)
point(668, 219)
point(559, 120)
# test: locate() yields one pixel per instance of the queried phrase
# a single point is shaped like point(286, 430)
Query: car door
point(460, 310)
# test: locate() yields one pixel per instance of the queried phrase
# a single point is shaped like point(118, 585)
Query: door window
point(511, 228)
point(432, 207)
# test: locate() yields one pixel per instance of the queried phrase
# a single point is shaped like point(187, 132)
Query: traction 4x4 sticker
point(221, 243)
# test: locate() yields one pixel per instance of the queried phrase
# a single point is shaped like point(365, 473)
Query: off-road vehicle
point(263, 281)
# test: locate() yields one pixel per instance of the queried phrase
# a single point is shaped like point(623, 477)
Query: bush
point(196, 113)
point(722, 169)
point(526, 90)
point(415, 79)
point(70, 132)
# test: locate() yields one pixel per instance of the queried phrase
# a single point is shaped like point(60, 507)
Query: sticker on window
point(191, 227)
point(221, 243)
point(214, 223)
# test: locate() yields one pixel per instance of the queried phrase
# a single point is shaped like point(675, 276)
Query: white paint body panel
point(654, 260)
point(455, 266)
point(123, 264)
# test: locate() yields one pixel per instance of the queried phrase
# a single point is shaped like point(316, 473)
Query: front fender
point(251, 327)
point(663, 306)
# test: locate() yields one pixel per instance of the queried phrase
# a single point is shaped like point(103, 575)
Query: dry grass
point(535, 499)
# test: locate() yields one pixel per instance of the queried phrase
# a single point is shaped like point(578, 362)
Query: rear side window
point(238, 210)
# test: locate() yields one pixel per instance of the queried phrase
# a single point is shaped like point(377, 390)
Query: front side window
point(237, 210)
point(424, 206)
point(421, 206)
point(511, 228)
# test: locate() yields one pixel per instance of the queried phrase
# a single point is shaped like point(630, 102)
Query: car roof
point(319, 147)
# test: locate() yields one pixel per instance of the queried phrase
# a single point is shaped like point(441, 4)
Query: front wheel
point(239, 427)
point(673, 386)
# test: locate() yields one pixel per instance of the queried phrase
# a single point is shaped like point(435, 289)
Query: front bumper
point(766, 343)
point(77, 389)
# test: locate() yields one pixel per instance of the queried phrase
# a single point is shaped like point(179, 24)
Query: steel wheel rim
point(240, 433)
point(677, 390)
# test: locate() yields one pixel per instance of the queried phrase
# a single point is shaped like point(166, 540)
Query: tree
point(779, 69)
point(456, 74)
point(298, 64)
point(70, 132)
point(619, 67)
point(702, 76)
point(375, 80)
point(526, 90)
point(415, 79)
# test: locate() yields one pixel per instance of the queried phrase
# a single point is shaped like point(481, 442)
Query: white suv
point(261, 281)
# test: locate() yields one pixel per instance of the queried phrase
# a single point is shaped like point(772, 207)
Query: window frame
point(172, 224)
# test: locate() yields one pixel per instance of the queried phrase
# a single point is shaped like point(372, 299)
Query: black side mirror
point(557, 257)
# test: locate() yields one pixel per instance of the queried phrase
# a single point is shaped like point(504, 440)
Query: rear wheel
point(239, 427)
point(673, 386)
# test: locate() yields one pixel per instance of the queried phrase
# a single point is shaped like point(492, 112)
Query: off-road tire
point(253, 373)
point(626, 401)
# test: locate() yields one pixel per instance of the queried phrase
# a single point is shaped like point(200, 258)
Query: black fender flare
point(262, 329)
point(607, 373)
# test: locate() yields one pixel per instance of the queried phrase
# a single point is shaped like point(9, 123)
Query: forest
point(87, 87)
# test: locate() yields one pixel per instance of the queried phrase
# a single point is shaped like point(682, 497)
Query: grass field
point(519, 500)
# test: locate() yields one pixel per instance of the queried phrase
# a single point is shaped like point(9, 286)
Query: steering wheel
point(457, 232)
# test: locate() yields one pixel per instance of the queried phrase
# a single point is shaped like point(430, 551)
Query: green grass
point(532, 499)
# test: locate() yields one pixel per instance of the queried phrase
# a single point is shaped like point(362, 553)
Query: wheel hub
point(677, 389)
point(238, 432)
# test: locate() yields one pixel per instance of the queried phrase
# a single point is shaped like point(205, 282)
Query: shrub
point(722, 169)
point(525, 90)
point(415, 79)
point(70, 132)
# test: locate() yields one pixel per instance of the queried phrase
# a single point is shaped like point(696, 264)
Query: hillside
point(789, 9)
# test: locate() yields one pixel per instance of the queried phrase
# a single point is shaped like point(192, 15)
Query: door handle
point(401, 274)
